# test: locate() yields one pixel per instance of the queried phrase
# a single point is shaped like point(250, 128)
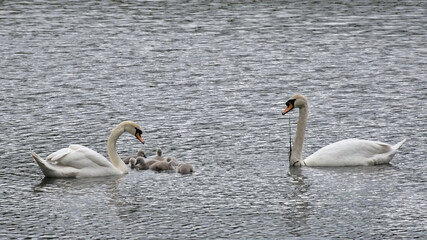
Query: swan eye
point(290, 101)
point(290, 104)
point(138, 131)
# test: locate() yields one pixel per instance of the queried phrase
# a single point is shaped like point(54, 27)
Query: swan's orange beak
point(138, 135)
point(289, 107)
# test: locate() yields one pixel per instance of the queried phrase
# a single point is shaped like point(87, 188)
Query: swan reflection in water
point(91, 193)
point(297, 202)
point(71, 185)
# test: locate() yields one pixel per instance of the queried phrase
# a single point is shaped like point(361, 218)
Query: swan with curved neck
point(79, 161)
point(349, 152)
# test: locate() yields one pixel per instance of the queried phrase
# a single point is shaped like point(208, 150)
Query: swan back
point(78, 156)
point(352, 152)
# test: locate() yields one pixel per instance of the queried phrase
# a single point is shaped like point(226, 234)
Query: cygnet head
point(132, 162)
point(141, 153)
point(159, 152)
point(140, 164)
point(140, 159)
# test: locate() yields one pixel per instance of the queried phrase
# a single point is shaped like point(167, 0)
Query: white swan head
point(132, 128)
point(296, 101)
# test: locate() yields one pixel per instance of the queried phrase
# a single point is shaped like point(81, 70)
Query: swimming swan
point(349, 152)
point(79, 161)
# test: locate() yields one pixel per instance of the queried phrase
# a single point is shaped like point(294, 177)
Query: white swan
point(350, 152)
point(79, 161)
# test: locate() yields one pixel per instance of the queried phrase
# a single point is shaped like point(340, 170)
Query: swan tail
point(386, 158)
point(36, 157)
point(398, 145)
point(49, 170)
point(41, 162)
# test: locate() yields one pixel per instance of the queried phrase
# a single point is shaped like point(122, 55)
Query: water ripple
point(207, 82)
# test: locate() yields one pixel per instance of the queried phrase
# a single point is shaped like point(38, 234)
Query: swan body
point(352, 152)
point(349, 152)
point(79, 161)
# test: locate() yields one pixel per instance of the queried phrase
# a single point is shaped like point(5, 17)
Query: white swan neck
point(112, 150)
point(296, 155)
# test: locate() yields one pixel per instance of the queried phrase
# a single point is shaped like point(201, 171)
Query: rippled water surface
point(207, 82)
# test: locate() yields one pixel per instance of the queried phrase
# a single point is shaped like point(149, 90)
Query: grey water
point(207, 81)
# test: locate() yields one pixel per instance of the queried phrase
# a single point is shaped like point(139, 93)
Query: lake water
point(208, 82)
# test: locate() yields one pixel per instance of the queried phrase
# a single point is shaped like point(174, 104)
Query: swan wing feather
point(78, 156)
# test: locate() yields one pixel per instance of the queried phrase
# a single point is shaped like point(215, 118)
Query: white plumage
point(80, 161)
point(349, 152)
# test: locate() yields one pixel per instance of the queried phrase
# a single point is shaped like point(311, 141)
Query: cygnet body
point(155, 159)
point(151, 162)
point(163, 165)
point(159, 155)
point(140, 164)
point(185, 168)
point(132, 162)
point(139, 154)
